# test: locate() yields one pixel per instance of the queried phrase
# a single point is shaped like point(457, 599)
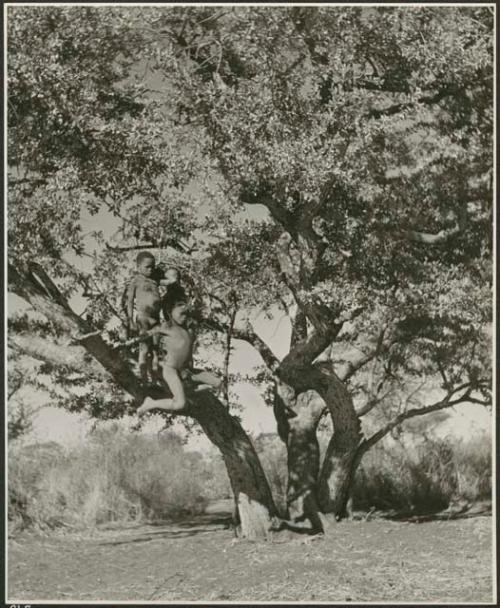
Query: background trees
point(332, 162)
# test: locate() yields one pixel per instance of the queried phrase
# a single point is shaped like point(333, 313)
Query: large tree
point(332, 162)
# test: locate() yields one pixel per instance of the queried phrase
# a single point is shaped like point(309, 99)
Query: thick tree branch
point(39, 274)
point(42, 349)
point(262, 196)
point(425, 99)
point(426, 238)
point(321, 316)
point(355, 365)
point(155, 244)
point(299, 328)
point(58, 312)
point(246, 334)
point(447, 402)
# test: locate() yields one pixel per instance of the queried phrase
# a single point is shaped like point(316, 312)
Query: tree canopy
point(335, 162)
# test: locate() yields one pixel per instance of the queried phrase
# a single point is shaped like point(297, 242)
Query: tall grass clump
point(115, 477)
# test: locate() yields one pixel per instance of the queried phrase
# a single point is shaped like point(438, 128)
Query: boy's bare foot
point(147, 405)
point(201, 387)
point(168, 405)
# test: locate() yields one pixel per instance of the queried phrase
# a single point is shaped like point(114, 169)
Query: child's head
point(172, 275)
point(145, 263)
point(175, 310)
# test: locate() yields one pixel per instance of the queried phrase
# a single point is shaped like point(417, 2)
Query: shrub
point(123, 477)
point(115, 477)
point(425, 478)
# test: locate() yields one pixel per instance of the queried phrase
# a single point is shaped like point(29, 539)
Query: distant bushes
point(115, 477)
point(124, 477)
point(426, 478)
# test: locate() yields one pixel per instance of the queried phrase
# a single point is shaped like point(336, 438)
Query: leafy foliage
point(365, 133)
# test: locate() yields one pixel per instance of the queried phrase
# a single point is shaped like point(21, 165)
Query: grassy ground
point(200, 560)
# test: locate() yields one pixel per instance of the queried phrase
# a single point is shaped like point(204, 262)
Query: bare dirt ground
point(201, 560)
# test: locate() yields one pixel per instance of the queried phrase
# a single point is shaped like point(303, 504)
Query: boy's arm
point(130, 297)
point(190, 361)
point(162, 329)
point(157, 329)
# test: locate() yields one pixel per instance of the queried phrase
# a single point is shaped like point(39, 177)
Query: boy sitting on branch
point(176, 343)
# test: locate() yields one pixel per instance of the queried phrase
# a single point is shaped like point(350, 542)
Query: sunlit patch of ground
point(378, 560)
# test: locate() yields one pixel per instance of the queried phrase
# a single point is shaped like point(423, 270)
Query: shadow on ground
point(462, 511)
point(193, 526)
point(209, 523)
point(200, 560)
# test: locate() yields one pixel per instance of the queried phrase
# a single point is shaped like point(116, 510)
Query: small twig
point(227, 358)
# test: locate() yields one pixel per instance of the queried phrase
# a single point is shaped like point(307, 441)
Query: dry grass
point(115, 477)
point(120, 477)
point(109, 488)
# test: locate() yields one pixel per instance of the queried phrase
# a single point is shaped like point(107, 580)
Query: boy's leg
point(145, 348)
point(155, 359)
point(143, 360)
point(171, 377)
point(204, 377)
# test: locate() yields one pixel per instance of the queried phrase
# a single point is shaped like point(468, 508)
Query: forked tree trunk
point(335, 477)
point(248, 481)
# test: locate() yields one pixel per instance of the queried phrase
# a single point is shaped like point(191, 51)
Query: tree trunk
point(252, 495)
point(248, 481)
point(335, 477)
point(298, 418)
point(337, 472)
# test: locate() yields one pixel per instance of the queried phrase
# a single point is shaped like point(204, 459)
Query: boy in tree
point(177, 343)
point(143, 292)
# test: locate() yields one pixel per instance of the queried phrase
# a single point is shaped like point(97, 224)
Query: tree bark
point(337, 474)
point(251, 489)
point(335, 479)
point(298, 417)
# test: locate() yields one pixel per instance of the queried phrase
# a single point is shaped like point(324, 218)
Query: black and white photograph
point(250, 303)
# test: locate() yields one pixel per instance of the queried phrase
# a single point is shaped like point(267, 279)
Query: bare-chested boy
point(177, 343)
point(143, 292)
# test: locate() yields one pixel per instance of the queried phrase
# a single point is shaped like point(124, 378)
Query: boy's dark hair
point(144, 255)
point(169, 303)
point(158, 273)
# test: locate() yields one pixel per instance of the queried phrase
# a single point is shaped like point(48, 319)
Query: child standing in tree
point(177, 342)
point(143, 293)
